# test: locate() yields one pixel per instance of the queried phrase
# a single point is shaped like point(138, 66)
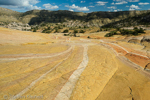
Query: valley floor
point(53, 67)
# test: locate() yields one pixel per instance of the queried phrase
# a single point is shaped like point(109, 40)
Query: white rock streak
point(67, 89)
point(35, 81)
point(38, 56)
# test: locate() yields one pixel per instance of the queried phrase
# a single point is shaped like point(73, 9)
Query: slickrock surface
point(41, 66)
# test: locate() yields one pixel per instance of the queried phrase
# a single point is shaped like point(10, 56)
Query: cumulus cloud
point(101, 3)
point(146, 3)
point(49, 6)
point(119, 2)
point(77, 8)
point(134, 7)
point(27, 4)
point(133, 0)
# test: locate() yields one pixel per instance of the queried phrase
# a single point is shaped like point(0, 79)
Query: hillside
point(7, 15)
point(142, 19)
point(98, 19)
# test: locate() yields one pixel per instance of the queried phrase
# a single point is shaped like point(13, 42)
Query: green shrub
point(66, 31)
point(82, 31)
point(59, 27)
point(34, 30)
point(56, 31)
point(89, 37)
point(66, 34)
point(141, 30)
point(75, 31)
point(48, 28)
point(111, 34)
point(48, 31)
point(135, 28)
point(136, 31)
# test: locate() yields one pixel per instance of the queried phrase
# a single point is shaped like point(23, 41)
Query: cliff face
point(45, 16)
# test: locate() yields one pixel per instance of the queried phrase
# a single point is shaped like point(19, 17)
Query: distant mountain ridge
point(34, 17)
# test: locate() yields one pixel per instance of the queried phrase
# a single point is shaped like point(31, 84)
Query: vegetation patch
point(135, 32)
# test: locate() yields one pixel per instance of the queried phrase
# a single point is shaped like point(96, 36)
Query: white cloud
point(82, 2)
point(112, 7)
point(133, 0)
point(71, 10)
point(101, 3)
point(26, 4)
point(134, 7)
point(77, 8)
point(91, 6)
point(117, 10)
point(120, 3)
point(146, 3)
point(49, 6)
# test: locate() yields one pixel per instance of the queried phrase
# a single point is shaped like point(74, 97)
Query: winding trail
point(67, 89)
point(37, 80)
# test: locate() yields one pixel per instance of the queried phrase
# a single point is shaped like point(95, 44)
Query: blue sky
point(76, 5)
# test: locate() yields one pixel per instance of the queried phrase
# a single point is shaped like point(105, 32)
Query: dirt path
point(67, 89)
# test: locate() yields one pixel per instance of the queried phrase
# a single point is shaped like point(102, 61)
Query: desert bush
point(66, 31)
point(136, 31)
point(85, 27)
point(89, 37)
point(60, 27)
point(81, 31)
point(66, 34)
point(48, 28)
point(34, 30)
point(75, 31)
point(141, 30)
point(48, 31)
point(135, 28)
point(56, 31)
point(111, 34)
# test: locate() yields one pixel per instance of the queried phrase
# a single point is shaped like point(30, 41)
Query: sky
point(76, 5)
